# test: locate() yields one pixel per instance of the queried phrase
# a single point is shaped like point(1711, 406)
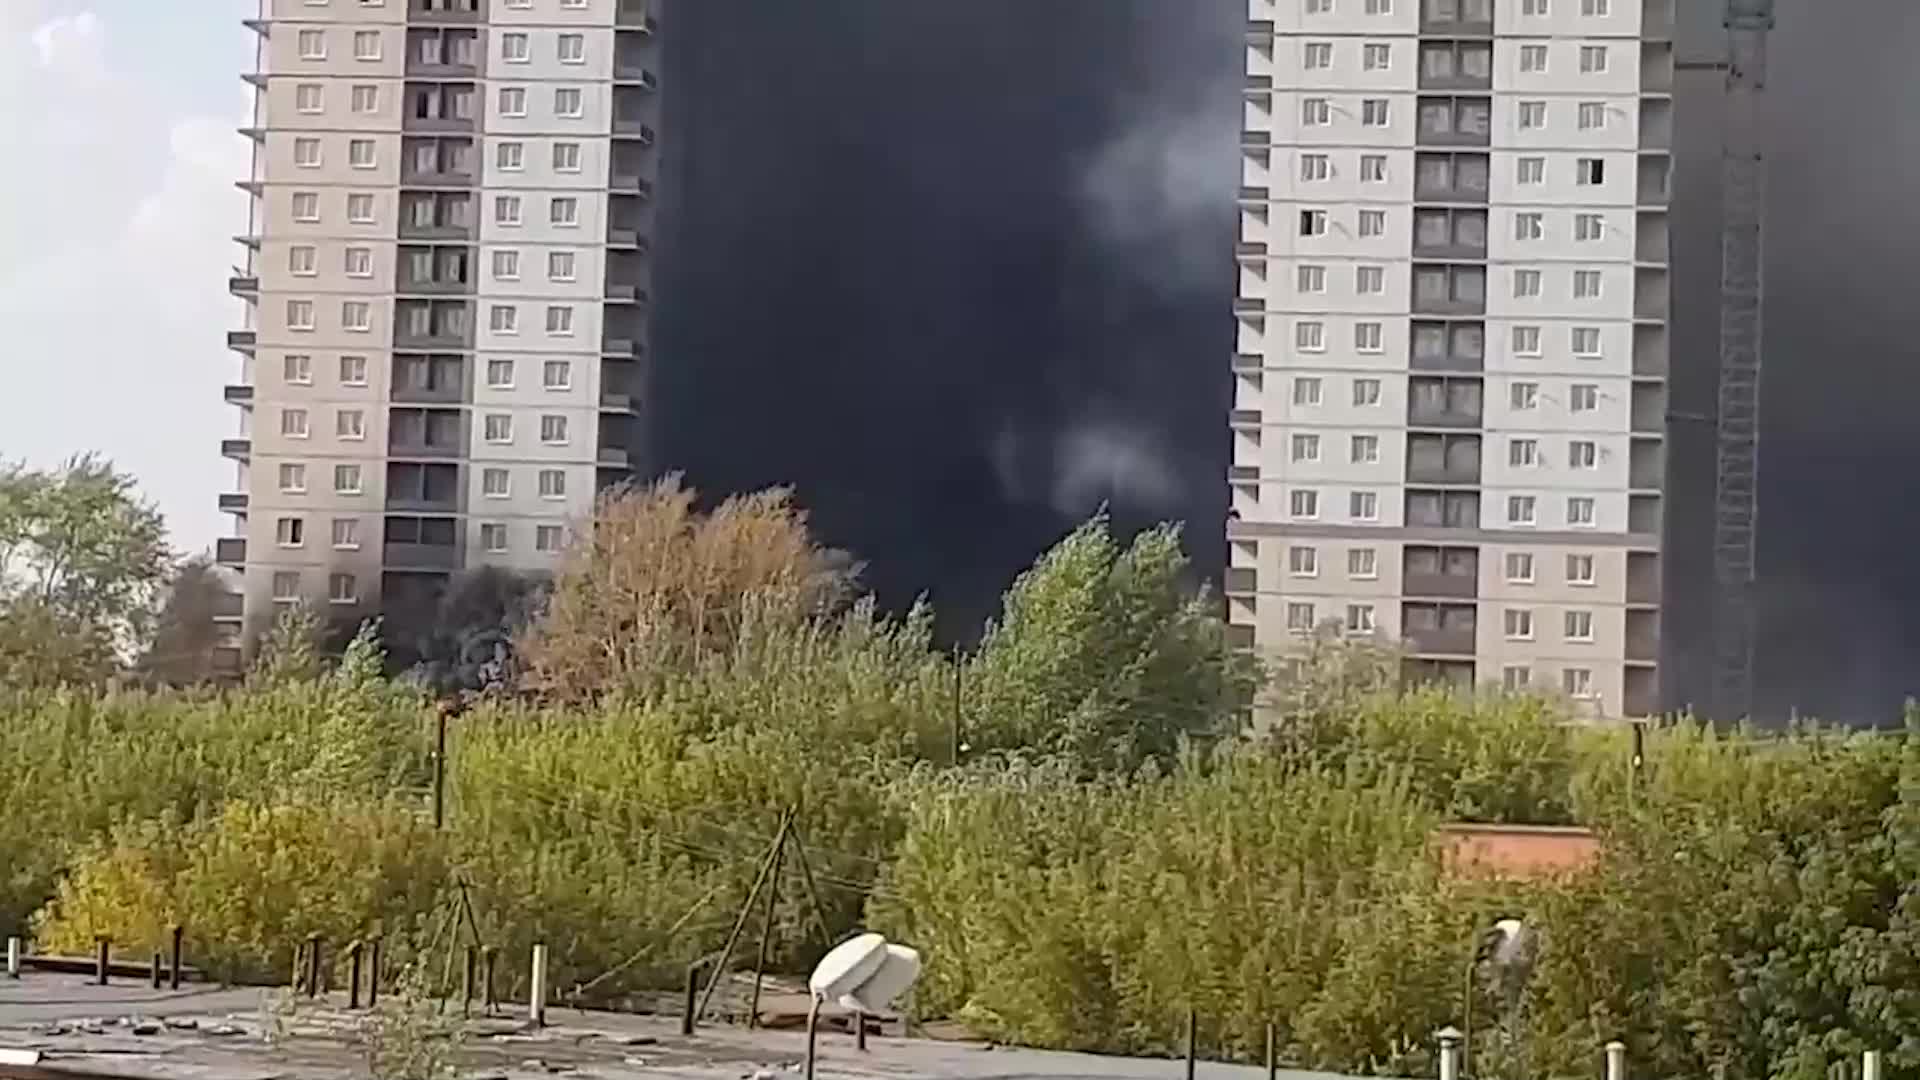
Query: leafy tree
point(186, 631)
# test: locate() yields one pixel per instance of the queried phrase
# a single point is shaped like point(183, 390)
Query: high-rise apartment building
point(447, 280)
point(1450, 380)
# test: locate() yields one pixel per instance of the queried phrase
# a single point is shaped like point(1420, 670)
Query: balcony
point(228, 607)
point(416, 448)
point(244, 286)
point(418, 502)
point(446, 125)
point(1242, 581)
point(1469, 20)
point(618, 348)
point(1248, 362)
point(1249, 305)
point(1446, 641)
point(1244, 418)
point(228, 660)
point(443, 13)
point(234, 502)
point(634, 131)
point(435, 179)
point(1449, 191)
point(1425, 416)
point(239, 394)
point(1444, 472)
point(1452, 248)
point(230, 551)
point(242, 340)
point(633, 15)
point(615, 457)
point(408, 285)
point(625, 183)
point(626, 294)
point(626, 239)
point(1643, 578)
point(403, 556)
point(237, 449)
point(412, 230)
point(1439, 585)
point(634, 75)
point(438, 338)
point(443, 394)
point(614, 402)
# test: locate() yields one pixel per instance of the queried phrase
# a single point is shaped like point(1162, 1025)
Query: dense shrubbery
point(1102, 858)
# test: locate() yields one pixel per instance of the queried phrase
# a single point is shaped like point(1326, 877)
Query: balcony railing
point(234, 502)
point(239, 394)
point(237, 449)
point(230, 551)
point(1442, 585)
point(242, 340)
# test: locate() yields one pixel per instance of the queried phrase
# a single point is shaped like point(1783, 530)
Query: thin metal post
point(1616, 1060)
point(13, 958)
point(691, 1008)
point(103, 949)
point(766, 920)
point(740, 923)
point(353, 975)
point(491, 999)
point(860, 1031)
point(299, 978)
point(440, 768)
point(1870, 1065)
point(1193, 1039)
point(373, 974)
point(1273, 1052)
point(467, 980)
point(813, 1034)
point(958, 674)
point(537, 991)
point(173, 973)
point(314, 986)
point(1449, 1053)
point(158, 974)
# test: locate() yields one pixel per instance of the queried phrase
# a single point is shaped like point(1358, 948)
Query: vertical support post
point(1870, 1065)
point(440, 767)
point(298, 980)
point(691, 1008)
point(490, 998)
point(13, 957)
point(766, 920)
point(1449, 1053)
point(373, 974)
point(813, 1033)
point(103, 950)
point(957, 675)
point(537, 989)
point(353, 975)
point(467, 981)
point(314, 985)
point(177, 933)
point(1616, 1060)
point(157, 976)
point(1193, 1039)
point(860, 1031)
point(1273, 1052)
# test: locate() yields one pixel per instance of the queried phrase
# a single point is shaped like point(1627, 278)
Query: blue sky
point(116, 210)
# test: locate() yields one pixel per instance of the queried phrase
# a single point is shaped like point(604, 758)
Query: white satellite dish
point(863, 974)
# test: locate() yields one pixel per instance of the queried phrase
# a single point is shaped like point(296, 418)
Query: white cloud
point(71, 44)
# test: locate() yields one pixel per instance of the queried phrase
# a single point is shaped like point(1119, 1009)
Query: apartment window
point(1310, 337)
point(1363, 506)
point(493, 538)
point(1586, 284)
point(1580, 570)
point(286, 585)
point(1376, 57)
point(1593, 116)
point(1595, 8)
point(290, 532)
point(353, 371)
point(503, 319)
point(1590, 172)
point(1586, 342)
point(514, 48)
point(1319, 7)
point(493, 483)
point(556, 374)
point(1519, 566)
point(1316, 112)
point(1366, 392)
point(1578, 625)
point(1533, 7)
point(513, 101)
point(1303, 561)
point(1580, 510)
point(1316, 55)
point(567, 102)
point(1300, 617)
point(299, 314)
point(1530, 171)
point(1364, 449)
point(303, 260)
point(1529, 225)
point(500, 374)
point(1523, 453)
point(564, 210)
point(1583, 397)
point(1516, 677)
point(1362, 563)
point(1588, 227)
point(1519, 624)
point(560, 266)
point(309, 98)
point(510, 156)
point(497, 427)
point(546, 538)
point(1303, 504)
point(1313, 223)
point(1578, 682)
point(365, 99)
point(1370, 280)
point(1526, 341)
point(566, 157)
point(1379, 7)
point(346, 479)
point(1533, 115)
point(306, 206)
point(1367, 337)
point(1373, 168)
point(1359, 618)
point(1310, 279)
point(1521, 509)
point(349, 424)
point(306, 153)
point(1533, 59)
point(1306, 448)
point(360, 153)
point(572, 49)
point(356, 315)
point(293, 479)
point(506, 265)
point(1373, 222)
point(1583, 454)
point(360, 209)
point(1523, 396)
point(346, 533)
point(313, 45)
point(297, 369)
point(358, 262)
point(553, 484)
point(342, 589)
point(506, 209)
point(1315, 168)
point(366, 45)
point(1373, 112)
point(1593, 59)
point(1526, 284)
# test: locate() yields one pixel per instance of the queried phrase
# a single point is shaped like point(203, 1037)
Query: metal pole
point(491, 997)
point(766, 921)
point(739, 924)
point(813, 1034)
point(173, 974)
point(13, 958)
point(1449, 1053)
point(692, 1006)
point(860, 1031)
point(537, 993)
point(440, 768)
point(314, 985)
point(1193, 1032)
point(353, 975)
point(467, 981)
point(103, 947)
point(373, 975)
point(1273, 1054)
point(1616, 1060)
point(299, 977)
point(1870, 1065)
point(158, 974)
point(958, 673)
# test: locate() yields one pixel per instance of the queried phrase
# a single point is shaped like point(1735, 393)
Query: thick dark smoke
point(960, 274)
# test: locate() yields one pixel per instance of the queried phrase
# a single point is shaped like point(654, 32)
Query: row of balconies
point(1453, 120)
point(1460, 345)
point(1433, 572)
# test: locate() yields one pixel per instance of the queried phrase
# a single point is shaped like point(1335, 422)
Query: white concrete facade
point(1449, 412)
